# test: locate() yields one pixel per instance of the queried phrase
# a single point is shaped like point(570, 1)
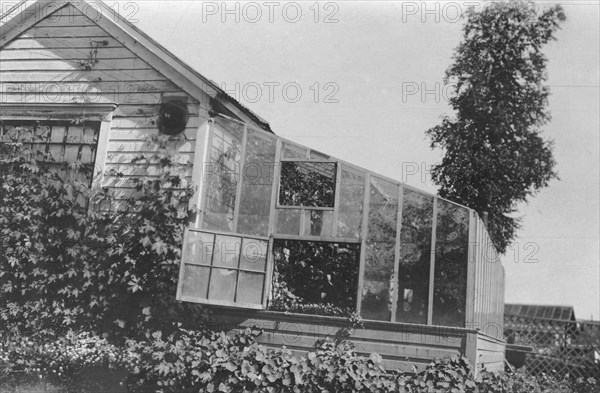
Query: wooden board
point(117, 64)
point(46, 31)
point(402, 346)
point(43, 53)
point(77, 43)
point(142, 146)
point(129, 123)
point(138, 134)
point(50, 76)
point(88, 87)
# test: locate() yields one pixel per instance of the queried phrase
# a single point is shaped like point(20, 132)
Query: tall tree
point(494, 154)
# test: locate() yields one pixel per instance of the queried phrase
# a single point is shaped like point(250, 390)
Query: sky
point(363, 81)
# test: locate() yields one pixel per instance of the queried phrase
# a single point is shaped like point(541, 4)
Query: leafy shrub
point(64, 266)
point(519, 382)
point(195, 361)
point(192, 361)
point(60, 358)
point(201, 360)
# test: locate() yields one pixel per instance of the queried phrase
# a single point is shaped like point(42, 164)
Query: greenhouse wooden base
point(403, 346)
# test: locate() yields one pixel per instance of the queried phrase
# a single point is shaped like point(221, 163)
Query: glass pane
point(288, 221)
point(222, 175)
point(318, 222)
point(308, 274)
point(227, 251)
point(87, 154)
point(352, 189)
point(293, 151)
point(74, 134)
point(71, 153)
point(199, 248)
point(557, 313)
point(222, 284)
point(62, 140)
point(254, 254)
point(415, 252)
point(377, 294)
point(195, 281)
point(89, 136)
point(250, 288)
point(257, 184)
point(307, 184)
point(58, 134)
point(315, 155)
point(42, 133)
point(327, 228)
point(57, 152)
point(451, 261)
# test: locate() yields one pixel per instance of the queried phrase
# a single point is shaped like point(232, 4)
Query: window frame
point(180, 296)
point(102, 113)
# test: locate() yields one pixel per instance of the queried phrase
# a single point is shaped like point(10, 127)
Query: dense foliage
point(316, 273)
point(307, 184)
point(65, 265)
point(204, 361)
point(495, 156)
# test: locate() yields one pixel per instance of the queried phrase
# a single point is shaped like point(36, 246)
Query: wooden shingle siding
point(46, 65)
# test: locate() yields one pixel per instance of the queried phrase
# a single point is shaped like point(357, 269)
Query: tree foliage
point(495, 156)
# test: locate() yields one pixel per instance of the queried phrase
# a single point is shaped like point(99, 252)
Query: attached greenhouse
point(286, 229)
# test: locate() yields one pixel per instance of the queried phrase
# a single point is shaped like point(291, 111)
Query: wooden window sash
point(240, 174)
point(272, 223)
point(336, 202)
point(470, 301)
point(363, 241)
point(397, 250)
point(210, 265)
point(432, 262)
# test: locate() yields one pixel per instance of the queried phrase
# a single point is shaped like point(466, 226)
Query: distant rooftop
point(564, 313)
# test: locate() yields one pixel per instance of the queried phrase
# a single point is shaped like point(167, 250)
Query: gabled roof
point(27, 13)
point(563, 313)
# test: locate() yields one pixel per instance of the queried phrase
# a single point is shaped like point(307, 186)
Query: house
point(290, 239)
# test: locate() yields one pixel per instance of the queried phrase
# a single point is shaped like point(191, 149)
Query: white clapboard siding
point(73, 65)
point(43, 53)
point(127, 123)
point(65, 31)
point(39, 75)
point(143, 170)
point(128, 134)
point(49, 64)
point(139, 110)
point(65, 43)
point(89, 87)
point(129, 182)
point(134, 157)
point(142, 146)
